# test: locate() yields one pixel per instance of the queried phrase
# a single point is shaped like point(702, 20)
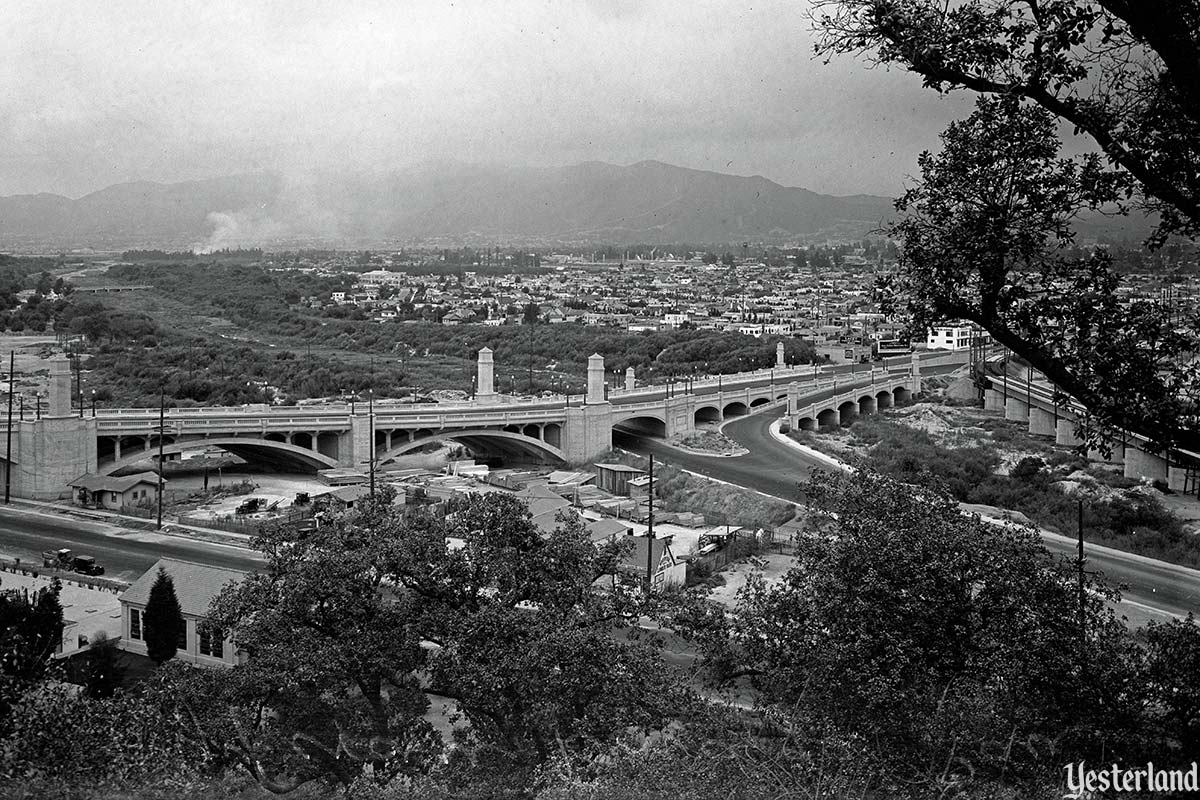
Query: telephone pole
point(12, 382)
point(371, 419)
point(650, 532)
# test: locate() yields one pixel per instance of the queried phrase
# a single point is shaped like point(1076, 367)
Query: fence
point(250, 526)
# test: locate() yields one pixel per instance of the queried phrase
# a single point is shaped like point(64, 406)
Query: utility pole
point(371, 418)
point(162, 428)
point(12, 381)
point(650, 532)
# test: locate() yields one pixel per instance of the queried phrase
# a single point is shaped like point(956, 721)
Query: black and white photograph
point(600, 399)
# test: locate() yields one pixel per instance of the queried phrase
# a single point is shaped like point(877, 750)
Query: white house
point(953, 336)
point(195, 585)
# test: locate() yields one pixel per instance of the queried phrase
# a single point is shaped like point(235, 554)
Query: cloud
point(135, 89)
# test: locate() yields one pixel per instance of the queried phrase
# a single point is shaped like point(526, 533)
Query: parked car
point(86, 565)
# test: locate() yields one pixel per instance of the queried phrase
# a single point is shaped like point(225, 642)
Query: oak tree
point(1127, 75)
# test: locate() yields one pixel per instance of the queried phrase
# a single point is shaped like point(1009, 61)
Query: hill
point(446, 203)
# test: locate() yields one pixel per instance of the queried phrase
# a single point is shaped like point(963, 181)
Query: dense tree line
point(133, 355)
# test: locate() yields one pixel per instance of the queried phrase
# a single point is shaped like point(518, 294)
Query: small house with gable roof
point(195, 586)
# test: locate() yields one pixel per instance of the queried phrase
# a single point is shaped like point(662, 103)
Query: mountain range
point(443, 205)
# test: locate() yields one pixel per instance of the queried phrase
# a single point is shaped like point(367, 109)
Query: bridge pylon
point(587, 432)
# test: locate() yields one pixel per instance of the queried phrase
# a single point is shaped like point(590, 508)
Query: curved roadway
point(776, 469)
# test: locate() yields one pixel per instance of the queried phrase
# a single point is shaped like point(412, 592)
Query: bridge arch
point(807, 424)
point(902, 394)
point(643, 425)
point(243, 446)
point(707, 414)
point(759, 402)
point(866, 404)
point(847, 411)
point(467, 435)
point(827, 418)
point(735, 409)
point(883, 399)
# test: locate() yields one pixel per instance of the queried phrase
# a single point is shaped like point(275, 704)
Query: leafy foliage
point(1172, 665)
point(61, 741)
point(30, 632)
point(955, 647)
point(983, 235)
point(985, 231)
point(349, 625)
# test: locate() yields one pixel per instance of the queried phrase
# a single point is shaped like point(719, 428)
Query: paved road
point(777, 469)
point(124, 554)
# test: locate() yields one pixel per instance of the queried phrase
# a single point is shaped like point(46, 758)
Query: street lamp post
point(79, 383)
point(162, 429)
point(93, 403)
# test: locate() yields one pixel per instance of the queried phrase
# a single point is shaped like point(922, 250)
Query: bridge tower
point(587, 433)
point(51, 452)
point(485, 386)
point(595, 379)
point(630, 380)
point(779, 362)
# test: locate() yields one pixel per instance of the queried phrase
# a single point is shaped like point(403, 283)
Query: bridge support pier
point(587, 432)
point(360, 437)
point(1140, 464)
point(1117, 456)
point(1017, 410)
point(1064, 433)
point(1177, 479)
point(1041, 422)
point(993, 400)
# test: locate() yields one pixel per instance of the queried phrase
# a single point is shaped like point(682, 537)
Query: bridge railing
point(781, 374)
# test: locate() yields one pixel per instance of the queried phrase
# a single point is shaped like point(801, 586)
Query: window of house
point(181, 636)
point(135, 624)
point(212, 641)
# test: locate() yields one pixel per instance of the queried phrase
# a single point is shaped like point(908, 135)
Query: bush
point(1028, 469)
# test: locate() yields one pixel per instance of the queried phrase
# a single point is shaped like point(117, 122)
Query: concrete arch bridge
point(50, 452)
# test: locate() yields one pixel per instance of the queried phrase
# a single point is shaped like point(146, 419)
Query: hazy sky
point(101, 92)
